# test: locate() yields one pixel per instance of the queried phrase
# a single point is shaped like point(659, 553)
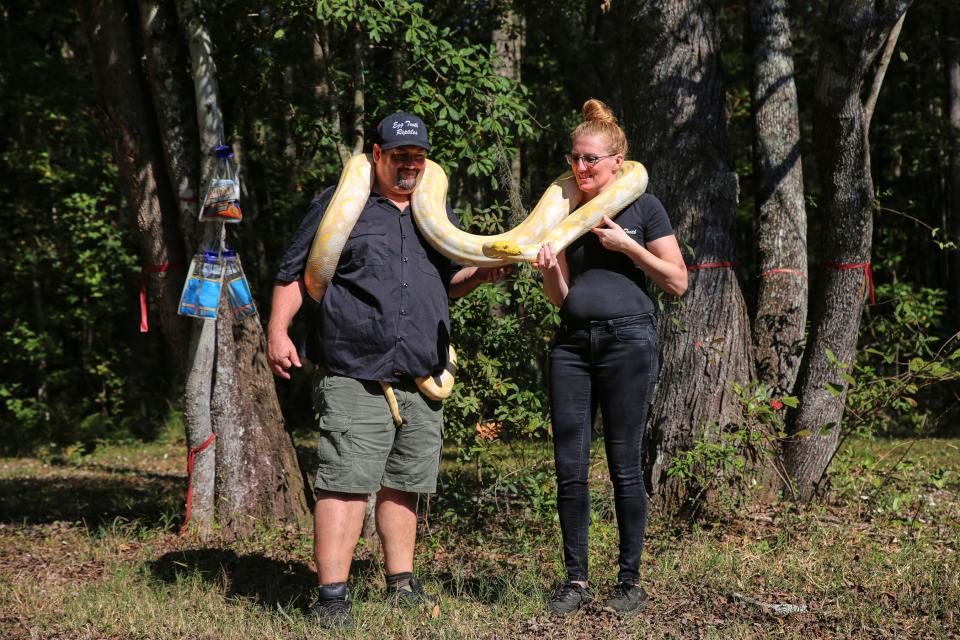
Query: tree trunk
point(109, 29)
point(508, 40)
point(674, 115)
point(256, 469)
point(952, 54)
point(173, 100)
point(782, 235)
point(258, 477)
point(853, 34)
point(196, 401)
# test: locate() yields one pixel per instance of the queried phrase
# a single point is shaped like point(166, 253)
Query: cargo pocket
point(334, 443)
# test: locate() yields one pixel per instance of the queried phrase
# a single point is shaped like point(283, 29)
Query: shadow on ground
point(266, 581)
point(153, 499)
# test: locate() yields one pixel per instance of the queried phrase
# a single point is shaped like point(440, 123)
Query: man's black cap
point(401, 129)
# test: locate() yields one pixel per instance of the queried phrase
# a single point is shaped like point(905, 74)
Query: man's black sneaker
point(568, 598)
point(412, 594)
point(626, 598)
point(332, 608)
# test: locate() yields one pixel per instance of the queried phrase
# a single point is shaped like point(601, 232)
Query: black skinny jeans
point(613, 365)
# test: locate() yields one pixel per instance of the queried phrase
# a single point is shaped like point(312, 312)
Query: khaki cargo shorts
point(360, 448)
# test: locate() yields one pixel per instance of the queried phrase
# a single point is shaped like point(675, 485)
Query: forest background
point(807, 153)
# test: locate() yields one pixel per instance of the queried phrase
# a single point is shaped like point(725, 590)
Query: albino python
point(555, 219)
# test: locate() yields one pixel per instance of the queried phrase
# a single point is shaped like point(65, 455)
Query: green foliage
point(901, 365)
point(474, 112)
point(724, 464)
point(501, 332)
point(68, 303)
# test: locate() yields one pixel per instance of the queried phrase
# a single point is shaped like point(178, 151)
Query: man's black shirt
point(385, 314)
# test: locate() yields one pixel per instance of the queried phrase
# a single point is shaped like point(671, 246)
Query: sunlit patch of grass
point(862, 567)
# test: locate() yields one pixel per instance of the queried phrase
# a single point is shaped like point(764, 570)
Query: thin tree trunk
point(508, 40)
point(952, 54)
point(326, 92)
point(870, 104)
point(173, 100)
point(852, 36)
point(197, 394)
point(109, 29)
point(674, 114)
point(782, 298)
point(359, 107)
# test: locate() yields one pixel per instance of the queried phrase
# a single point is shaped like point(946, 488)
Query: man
point(384, 317)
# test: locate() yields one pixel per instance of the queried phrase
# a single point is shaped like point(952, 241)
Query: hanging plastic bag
point(238, 289)
point(222, 201)
point(201, 291)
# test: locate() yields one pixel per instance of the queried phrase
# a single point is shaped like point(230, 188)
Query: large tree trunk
point(782, 298)
point(852, 35)
point(109, 29)
point(674, 114)
point(952, 54)
point(258, 477)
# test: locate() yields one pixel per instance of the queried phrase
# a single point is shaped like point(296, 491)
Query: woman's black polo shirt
point(385, 315)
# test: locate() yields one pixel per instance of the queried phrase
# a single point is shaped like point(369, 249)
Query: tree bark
point(167, 61)
point(674, 116)
point(852, 36)
point(952, 55)
point(109, 30)
point(256, 469)
point(258, 477)
point(781, 312)
point(508, 40)
point(199, 387)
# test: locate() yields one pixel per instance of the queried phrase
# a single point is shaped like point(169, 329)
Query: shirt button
point(402, 236)
point(403, 259)
point(403, 312)
point(399, 338)
point(403, 284)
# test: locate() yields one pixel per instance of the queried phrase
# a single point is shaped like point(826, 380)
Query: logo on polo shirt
point(632, 232)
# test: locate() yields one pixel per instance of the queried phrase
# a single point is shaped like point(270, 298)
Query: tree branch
point(871, 101)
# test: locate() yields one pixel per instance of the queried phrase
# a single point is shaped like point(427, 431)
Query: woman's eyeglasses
point(589, 160)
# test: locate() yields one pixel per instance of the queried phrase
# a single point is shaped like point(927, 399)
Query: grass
point(88, 549)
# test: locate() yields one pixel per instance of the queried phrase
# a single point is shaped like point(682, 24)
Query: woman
point(605, 356)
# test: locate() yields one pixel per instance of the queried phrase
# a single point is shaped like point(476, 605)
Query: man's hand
point(613, 237)
point(281, 354)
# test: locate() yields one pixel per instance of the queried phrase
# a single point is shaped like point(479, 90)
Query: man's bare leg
point(337, 521)
point(397, 528)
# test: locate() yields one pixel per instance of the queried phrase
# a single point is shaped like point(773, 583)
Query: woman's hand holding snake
point(612, 236)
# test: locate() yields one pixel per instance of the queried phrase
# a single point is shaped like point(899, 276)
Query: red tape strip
point(795, 272)
point(191, 458)
point(867, 273)
point(710, 265)
point(157, 268)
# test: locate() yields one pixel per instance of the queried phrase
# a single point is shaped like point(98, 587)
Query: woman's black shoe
point(568, 598)
point(626, 598)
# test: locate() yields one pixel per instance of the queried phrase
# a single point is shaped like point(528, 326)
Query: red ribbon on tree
point(191, 458)
point(867, 273)
point(796, 272)
point(157, 268)
point(710, 265)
